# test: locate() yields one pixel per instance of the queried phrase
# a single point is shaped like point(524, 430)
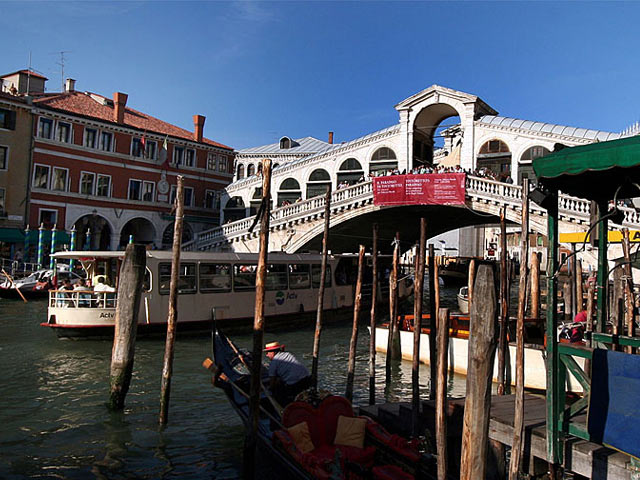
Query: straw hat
point(273, 346)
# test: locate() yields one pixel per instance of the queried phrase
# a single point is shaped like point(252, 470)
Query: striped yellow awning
point(615, 236)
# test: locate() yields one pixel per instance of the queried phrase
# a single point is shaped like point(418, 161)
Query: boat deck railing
point(82, 299)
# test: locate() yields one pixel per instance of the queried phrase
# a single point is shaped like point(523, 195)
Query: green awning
point(593, 171)
point(11, 235)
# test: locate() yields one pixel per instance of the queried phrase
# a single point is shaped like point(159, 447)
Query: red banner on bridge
point(426, 189)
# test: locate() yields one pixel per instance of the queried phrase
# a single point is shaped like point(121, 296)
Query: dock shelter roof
point(593, 171)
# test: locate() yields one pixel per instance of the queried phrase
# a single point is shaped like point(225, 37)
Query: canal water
point(54, 422)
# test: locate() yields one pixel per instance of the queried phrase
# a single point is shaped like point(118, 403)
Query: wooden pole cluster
point(172, 317)
point(323, 276)
point(417, 326)
point(374, 301)
point(504, 304)
point(393, 342)
point(518, 423)
point(258, 323)
point(354, 331)
point(433, 280)
point(124, 339)
point(441, 392)
point(482, 346)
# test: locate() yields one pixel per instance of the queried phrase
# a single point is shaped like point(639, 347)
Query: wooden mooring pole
point(535, 285)
point(628, 290)
point(417, 327)
point(323, 276)
point(393, 342)
point(124, 339)
point(258, 324)
point(579, 287)
point(354, 330)
point(441, 392)
point(374, 301)
point(432, 323)
point(518, 423)
point(504, 303)
point(590, 308)
point(172, 318)
point(482, 346)
point(471, 281)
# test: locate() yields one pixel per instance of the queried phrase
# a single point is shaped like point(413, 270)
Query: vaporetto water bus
point(220, 284)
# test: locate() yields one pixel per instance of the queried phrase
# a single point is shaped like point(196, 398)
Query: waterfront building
point(109, 171)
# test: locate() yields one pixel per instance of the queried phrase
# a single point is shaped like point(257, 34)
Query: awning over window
point(593, 171)
point(11, 235)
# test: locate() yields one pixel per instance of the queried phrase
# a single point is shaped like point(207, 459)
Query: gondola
point(380, 455)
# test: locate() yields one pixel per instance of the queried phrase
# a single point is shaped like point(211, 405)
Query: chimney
point(331, 138)
point(70, 85)
point(119, 103)
point(198, 127)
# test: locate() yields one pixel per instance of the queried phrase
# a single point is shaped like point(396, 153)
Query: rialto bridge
point(473, 137)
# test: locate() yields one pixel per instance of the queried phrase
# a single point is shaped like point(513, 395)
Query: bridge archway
point(495, 155)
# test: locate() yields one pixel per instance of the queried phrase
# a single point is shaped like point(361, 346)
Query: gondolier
point(287, 376)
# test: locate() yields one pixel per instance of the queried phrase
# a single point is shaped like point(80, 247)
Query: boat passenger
point(83, 298)
point(287, 376)
point(102, 290)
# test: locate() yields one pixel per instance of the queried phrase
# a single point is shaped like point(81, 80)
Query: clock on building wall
point(163, 187)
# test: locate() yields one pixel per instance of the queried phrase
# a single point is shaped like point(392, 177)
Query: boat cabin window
point(299, 276)
point(346, 271)
point(244, 277)
point(215, 277)
point(315, 276)
point(277, 277)
point(146, 282)
point(186, 278)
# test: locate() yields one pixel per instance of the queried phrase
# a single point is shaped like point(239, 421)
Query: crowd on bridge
point(427, 169)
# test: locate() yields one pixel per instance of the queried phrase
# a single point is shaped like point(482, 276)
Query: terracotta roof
point(99, 107)
point(26, 72)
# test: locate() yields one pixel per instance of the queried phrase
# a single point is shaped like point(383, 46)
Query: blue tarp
point(614, 407)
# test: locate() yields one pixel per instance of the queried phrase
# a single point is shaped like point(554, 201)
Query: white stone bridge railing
point(479, 190)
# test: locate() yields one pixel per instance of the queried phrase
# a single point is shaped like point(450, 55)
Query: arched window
point(525, 169)
point(276, 165)
point(289, 192)
point(319, 181)
point(251, 169)
point(285, 143)
point(383, 160)
point(495, 156)
point(234, 209)
point(240, 172)
point(350, 171)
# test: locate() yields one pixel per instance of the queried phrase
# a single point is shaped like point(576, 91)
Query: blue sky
point(261, 70)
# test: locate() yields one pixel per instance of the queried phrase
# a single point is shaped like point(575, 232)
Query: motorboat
point(463, 300)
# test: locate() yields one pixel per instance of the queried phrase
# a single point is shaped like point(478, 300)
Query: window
point(383, 159)
point(534, 152)
point(151, 149)
point(41, 176)
point(319, 182)
point(59, 179)
point(212, 199)
point(494, 146)
point(244, 277)
point(103, 186)
point(2, 210)
point(178, 155)
point(106, 141)
point(63, 134)
point(315, 276)
point(285, 143)
point(4, 157)
point(289, 192)
point(186, 278)
point(190, 160)
point(148, 191)
point(251, 170)
point(211, 161)
point(90, 137)
point(276, 277)
point(135, 189)
point(350, 171)
point(87, 183)
point(47, 217)
point(299, 276)
point(137, 149)
point(222, 163)
point(215, 277)
point(240, 172)
point(7, 119)
point(188, 195)
point(45, 127)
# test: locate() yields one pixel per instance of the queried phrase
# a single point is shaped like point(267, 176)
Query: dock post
point(393, 343)
point(417, 327)
point(603, 267)
point(504, 303)
point(518, 422)
point(372, 337)
point(323, 276)
point(483, 332)
point(258, 324)
point(535, 286)
point(579, 287)
point(124, 337)
point(441, 393)
point(589, 326)
point(471, 281)
point(617, 305)
point(354, 330)
point(433, 313)
point(172, 317)
point(629, 296)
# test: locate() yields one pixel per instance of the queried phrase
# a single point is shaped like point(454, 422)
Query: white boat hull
point(535, 376)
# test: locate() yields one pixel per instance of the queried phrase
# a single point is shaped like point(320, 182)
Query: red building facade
point(110, 171)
